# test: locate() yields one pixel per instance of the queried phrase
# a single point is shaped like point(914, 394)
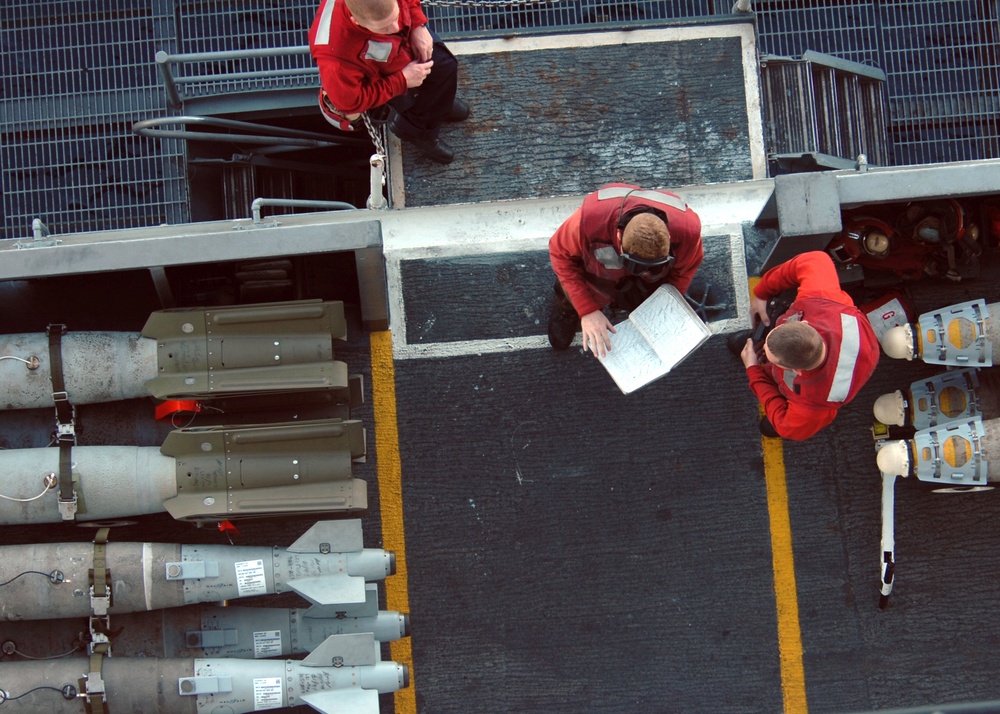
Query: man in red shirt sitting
point(376, 52)
point(818, 354)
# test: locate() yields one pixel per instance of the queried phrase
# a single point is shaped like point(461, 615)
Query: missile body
point(327, 565)
point(185, 353)
point(208, 631)
point(348, 678)
point(199, 474)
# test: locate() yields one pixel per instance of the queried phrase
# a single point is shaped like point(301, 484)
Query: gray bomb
point(199, 474)
point(209, 631)
point(327, 565)
point(343, 675)
point(183, 353)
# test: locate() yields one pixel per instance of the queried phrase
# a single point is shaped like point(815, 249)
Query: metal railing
point(226, 81)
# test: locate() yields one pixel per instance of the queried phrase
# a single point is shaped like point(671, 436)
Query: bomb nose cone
point(894, 459)
point(891, 408)
point(898, 342)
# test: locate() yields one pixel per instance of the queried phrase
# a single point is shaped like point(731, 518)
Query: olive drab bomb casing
point(199, 474)
point(345, 674)
point(960, 335)
point(184, 353)
point(327, 565)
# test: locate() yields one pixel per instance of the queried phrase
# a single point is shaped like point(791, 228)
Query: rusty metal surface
point(556, 122)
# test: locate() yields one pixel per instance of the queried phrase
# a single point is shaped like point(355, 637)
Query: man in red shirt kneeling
point(817, 355)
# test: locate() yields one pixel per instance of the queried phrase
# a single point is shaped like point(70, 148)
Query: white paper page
point(673, 329)
point(631, 361)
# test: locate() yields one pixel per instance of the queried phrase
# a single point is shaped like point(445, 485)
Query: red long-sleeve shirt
point(574, 249)
point(359, 69)
point(799, 405)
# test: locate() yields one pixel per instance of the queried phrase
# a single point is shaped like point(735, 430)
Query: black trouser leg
point(424, 108)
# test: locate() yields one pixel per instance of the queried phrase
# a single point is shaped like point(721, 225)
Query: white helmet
point(891, 408)
point(894, 458)
point(898, 342)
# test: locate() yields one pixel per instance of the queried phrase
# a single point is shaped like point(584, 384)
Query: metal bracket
point(211, 638)
point(952, 453)
point(193, 686)
point(939, 341)
point(192, 570)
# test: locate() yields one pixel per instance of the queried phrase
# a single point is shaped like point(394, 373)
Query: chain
point(375, 134)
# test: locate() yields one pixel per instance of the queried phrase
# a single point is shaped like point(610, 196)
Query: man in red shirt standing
point(818, 354)
point(615, 250)
point(376, 52)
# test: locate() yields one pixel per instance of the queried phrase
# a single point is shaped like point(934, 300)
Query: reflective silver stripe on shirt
point(323, 29)
point(847, 360)
point(654, 196)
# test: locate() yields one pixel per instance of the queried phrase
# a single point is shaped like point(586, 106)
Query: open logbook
point(655, 338)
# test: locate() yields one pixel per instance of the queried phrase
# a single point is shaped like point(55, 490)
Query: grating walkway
point(75, 75)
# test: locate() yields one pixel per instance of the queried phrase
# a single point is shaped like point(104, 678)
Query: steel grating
point(76, 74)
point(221, 26)
point(74, 78)
point(940, 59)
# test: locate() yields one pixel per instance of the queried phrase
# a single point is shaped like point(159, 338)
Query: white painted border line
point(567, 40)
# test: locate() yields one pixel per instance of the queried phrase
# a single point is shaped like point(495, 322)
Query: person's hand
point(595, 327)
point(422, 43)
point(416, 72)
point(758, 307)
point(749, 355)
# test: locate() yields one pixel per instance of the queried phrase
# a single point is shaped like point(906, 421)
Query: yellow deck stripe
point(793, 677)
point(390, 488)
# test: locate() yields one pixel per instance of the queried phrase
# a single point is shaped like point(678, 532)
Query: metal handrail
point(164, 60)
point(280, 138)
point(259, 203)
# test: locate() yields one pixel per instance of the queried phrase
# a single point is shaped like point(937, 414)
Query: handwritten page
point(658, 335)
point(670, 325)
point(632, 362)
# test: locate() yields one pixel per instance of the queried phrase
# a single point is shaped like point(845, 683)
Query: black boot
point(767, 428)
point(563, 327)
point(737, 341)
point(564, 323)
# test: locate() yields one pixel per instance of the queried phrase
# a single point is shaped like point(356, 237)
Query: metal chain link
point(375, 134)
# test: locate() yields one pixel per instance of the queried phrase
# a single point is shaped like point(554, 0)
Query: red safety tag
point(166, 410)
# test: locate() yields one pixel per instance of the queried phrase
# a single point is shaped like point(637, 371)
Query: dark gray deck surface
point(558, 122)
point(573, 549)
point(445, 297)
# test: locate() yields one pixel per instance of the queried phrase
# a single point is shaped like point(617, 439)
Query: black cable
point(4, 697)
point(55, 576)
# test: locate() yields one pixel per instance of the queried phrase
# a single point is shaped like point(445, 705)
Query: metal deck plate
point(561, 115)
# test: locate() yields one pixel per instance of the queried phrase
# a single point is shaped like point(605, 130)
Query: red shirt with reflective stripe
point(798, 406)
point(592, 227)
point(358, 69)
